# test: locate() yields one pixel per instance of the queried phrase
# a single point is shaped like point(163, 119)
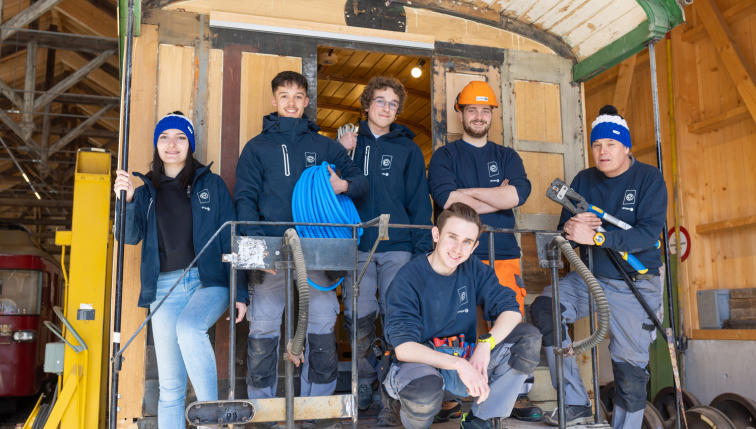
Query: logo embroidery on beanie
point(204, 196)
point(616, 132)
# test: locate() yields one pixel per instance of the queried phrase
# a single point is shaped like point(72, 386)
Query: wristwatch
point(487, 338)
point(599, 239)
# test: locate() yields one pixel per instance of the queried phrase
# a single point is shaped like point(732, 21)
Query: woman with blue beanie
point(174, 214)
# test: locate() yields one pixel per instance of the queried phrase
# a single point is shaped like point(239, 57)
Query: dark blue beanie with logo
point(610, 125)
point(175, 121)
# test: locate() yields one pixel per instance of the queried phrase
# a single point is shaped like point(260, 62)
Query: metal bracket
point(205, 413)
point(245, 411)
point(542, 243)
point(264, 253)
point(383, 224)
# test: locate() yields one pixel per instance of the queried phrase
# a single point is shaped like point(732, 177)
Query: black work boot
point(469, 421)
point(574, 415)
point(526, 411)
point(389, 414)
point(449, 410)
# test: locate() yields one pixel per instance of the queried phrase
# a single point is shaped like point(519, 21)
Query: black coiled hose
point(598, 295)
point(292, 239)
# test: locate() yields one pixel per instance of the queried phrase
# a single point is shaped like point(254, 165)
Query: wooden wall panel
point(539, 115)
point(714, 167)
point(214, 108)
point(257, 70)
point(542, 169)
point(143, 121)
point(176, 79)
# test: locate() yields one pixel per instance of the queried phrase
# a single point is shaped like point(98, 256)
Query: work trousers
point(265, 315)
point(182, 345)
point(631, 332)
point(378, 276)
point(420, 387)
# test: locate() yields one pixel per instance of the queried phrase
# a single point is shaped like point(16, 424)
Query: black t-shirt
point(173, 212)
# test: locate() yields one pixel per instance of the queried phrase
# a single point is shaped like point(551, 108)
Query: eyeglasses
point(381, 102)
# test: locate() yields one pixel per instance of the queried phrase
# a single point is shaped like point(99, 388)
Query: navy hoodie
point(211, 206)
point(271, 163)
point(639, 198)
point(422, 304)
point(460, 165)
point(395, 167)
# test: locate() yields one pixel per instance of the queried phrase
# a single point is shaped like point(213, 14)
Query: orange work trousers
point(506, 270)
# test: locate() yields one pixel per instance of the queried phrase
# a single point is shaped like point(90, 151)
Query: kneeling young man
point(435, 296)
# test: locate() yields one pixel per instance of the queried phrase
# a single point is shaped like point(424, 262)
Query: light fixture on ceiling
point(417, 71)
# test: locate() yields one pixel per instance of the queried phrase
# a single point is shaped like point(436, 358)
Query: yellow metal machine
point(82, 394)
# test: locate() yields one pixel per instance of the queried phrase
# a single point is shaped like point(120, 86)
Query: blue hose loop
point(315, 202)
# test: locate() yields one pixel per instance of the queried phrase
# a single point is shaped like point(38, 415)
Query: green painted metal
point(660, 366)
point(123, 9)
point(663, 15)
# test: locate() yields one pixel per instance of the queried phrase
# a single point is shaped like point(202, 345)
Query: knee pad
point(543, 318)
point(365, 332)
point(421, 398)
point(526, 349)
point(324, 364)
point(630, 381)
point(261, 362)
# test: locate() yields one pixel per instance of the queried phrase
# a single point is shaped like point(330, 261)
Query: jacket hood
point(276, 124)
point(199, 170)
point(395, 131)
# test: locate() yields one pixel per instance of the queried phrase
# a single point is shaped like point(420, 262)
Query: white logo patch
point(493, 169)
point(616, 132)
point(629, 198)
point(462, 295)
point(481, 98)
point(310, 158)
point(204, 196)
point(386, 162)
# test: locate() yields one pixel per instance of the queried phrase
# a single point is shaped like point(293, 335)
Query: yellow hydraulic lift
point(82, 394)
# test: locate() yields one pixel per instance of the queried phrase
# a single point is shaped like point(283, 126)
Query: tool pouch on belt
point(452, 383)
point(387, 358)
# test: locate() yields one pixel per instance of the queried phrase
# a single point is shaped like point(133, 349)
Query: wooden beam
point(716, 122)
point(364, 81)
point(72, 79)
point(624, 80)
point(97, 79)
point(357, 110)
point(731, 55)
point(726, 225)
point(89, 17)
point(329, 130)
point(63, 222)
point(30, 84)
point(58, 131)
point(34, 11)
point(643, 148)
point(10, 123)
point(33, 202)
point(79, 129)
point(724, 334)
point(12, 96)
point(68, 41)
point(743, 9)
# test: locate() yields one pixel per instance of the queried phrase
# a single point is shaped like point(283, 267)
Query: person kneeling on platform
point(435, 296)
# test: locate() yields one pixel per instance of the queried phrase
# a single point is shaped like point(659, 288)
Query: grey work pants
point(631, 332)
point(378, 276)
point(265, 312)
point(420, 387)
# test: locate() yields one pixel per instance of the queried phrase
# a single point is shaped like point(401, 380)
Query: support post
point(355, 295)
point(665, 232)
point(49, 82)
point(30, 84)
point(289, 365)
point(232, 324)
point(594, 350)
point(554, 262)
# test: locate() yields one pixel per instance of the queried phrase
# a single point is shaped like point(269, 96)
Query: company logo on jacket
point(310, 158)
point(462, 299)
point(386, 162)
point(204, 196)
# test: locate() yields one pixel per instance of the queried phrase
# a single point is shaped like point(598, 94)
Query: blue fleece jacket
point(637, 197)
point(211, 206)
point(460, 165)
point(422, 304)
point(271, 163)
point(395, 167)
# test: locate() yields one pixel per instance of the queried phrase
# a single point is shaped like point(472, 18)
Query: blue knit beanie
point(610, 125)
point(174, 121)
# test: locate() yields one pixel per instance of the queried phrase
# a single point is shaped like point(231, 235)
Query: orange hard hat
point(476, 92)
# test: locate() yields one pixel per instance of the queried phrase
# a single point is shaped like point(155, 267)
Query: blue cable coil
point(315, 202)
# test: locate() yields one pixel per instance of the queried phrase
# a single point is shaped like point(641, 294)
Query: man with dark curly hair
point(395, 169)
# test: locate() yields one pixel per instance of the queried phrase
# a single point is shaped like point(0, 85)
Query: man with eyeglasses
point(491, 179)
point(395, 169)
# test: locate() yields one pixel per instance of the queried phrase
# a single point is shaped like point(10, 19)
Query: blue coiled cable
point(315, 202)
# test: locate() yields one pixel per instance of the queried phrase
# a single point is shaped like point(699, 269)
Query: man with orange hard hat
point(491, 179)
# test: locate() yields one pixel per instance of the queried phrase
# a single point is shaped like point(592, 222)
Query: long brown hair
point(157, 166)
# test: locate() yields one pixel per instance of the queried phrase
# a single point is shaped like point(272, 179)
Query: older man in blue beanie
point(636, 194)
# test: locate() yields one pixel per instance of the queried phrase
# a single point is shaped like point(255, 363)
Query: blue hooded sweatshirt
point(395, 167)
point(271, 163)
point(211, 206)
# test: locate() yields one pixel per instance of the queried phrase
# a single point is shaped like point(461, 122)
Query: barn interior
point(555, 64)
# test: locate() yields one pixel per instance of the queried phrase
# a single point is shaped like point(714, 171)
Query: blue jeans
point(182, 345)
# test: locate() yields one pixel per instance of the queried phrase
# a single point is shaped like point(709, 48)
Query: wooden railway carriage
point(214, 60)
point(31, 283)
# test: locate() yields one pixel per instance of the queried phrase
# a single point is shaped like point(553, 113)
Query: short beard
point(474, 134)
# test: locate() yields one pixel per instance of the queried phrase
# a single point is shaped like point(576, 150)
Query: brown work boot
point(526, 411)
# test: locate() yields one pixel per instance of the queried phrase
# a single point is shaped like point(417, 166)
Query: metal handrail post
point(355, 295)
point(594, 350)
point(554, 262)
point(289, 365)
point(232, 324)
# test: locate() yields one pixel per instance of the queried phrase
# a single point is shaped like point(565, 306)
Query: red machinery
point(31, 283)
